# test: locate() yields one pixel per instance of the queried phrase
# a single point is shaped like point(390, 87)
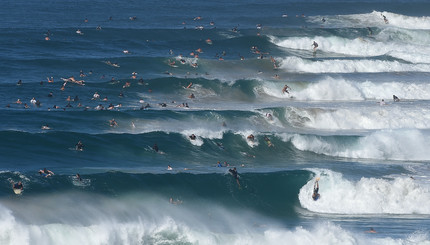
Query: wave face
point(167, 97)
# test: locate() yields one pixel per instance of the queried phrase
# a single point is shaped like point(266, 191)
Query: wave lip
point(375, 18)
point(400, 45)
point(401, 195)
point(404, 145)
point(297, 64)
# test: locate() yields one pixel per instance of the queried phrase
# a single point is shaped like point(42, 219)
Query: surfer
point(316, 195)
point(96, 96)
point(285, 89)
point(251, 137)
point(113, 123)
point(45, 172)
point(169, 167)
point(18, 186)
point(382, 102)
point(79, 146)
point(371, 230)
point(192, 136)
point(233, 172)
point(78, 177)
point(315, 45)
point(395, 98)
point(385, 19)
point(155, 147)
point(269, 143)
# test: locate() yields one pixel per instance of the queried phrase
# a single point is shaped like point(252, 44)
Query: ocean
point(159, 92)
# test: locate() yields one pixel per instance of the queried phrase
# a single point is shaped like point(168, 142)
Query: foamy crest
point(401, 47)
point(163, 228)
point(403, 21)
point(295, 64)
point(11, 232)
point(198, 141)
point(245, 135)
point(376, 117)
point(341, 89)
point(330, 89)
point(386, 144)
point(366, 196)
point(374, 18)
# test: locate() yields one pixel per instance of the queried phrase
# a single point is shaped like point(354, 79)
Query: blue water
point(146, 58)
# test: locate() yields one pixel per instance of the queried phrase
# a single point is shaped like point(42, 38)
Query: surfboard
point(17, 191)
point(74, 149)
point(269, 143)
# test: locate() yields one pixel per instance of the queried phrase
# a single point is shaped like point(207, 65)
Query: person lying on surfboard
point(45, 172)
point(18, 185)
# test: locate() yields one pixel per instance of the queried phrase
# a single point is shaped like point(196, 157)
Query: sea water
point(145, 59)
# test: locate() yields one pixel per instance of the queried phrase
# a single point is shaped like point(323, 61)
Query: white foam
point(403, 21)
point(335, 89)
point(408, 145)
point(330, 89)
point(245, 134)
point(366, 196)
point(296, 64)
point(170, 230)
point(360, 118)
point(374, 18)
point(198, 141)
point(393, 43)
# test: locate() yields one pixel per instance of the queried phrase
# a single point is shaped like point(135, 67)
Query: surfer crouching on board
point(316, 195)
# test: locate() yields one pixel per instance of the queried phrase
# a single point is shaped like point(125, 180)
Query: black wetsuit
point(234, 173)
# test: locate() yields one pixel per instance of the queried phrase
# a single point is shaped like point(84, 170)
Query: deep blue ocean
point(198, 79)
